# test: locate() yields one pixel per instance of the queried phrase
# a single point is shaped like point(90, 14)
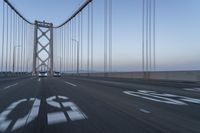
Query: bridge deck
point(85, 105)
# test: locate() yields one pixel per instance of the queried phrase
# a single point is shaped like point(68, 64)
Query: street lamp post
point(60, 64)
point(14, 51)
point(77, 54)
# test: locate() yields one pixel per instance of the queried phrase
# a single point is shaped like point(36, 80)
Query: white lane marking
point(70, 84)
point(39, 80)
point(55, 118)
point(10, 86)
point(162, 97)
point(149, 95)
point(192, 89)
point(145, 111)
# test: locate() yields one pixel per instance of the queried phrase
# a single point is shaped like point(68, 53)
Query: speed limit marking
point(20, 122)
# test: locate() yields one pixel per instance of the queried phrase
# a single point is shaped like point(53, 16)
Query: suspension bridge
point(49, 80)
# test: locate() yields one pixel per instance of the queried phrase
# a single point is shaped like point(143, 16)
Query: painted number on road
point(163, 97)
point(71, 109)
point(20, 122)
point(65, 107)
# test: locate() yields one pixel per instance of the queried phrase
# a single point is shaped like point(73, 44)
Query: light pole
point(14, 51)
point(27, 62)
point(77, 42)
point(60, 62)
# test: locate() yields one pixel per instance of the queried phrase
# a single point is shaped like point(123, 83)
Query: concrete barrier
point(161, 75)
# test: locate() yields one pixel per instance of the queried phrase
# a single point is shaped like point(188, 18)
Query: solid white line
point(145, 111)
point(70, 84)
point(10, 86)
point(192, 89)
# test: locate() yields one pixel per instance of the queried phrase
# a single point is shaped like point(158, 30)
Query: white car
point(57, 74)
point(42, 74)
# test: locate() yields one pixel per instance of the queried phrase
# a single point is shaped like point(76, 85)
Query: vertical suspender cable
point(147, 40)
point(143, 32)
point(14, 40)
point(72, 46)
point(3, 33)
point(6, 38)
point(63, 56)
point(64, 59)
point(154, 34)
point(22, 56)
point(110, 35)
point(69, 47)
point(150, 48)
point(105, 37)
point(81, 41)
point(88, 48)
point(17, 42)
point(75, 45)
point(79, 33)
point(62, 38)
point(61, 49)
point(92, 40)
point(10, 38)
point(21, 51)
point(25, 53)
point(24, 64)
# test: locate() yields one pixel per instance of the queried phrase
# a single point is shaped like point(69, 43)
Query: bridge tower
point(43, 48)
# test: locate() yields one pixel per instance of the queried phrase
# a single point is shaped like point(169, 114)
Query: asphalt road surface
point(91, 105)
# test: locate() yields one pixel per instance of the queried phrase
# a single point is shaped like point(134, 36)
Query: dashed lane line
point(145, 111)
point(192, 89)
point(10, 86)
point(71, 84)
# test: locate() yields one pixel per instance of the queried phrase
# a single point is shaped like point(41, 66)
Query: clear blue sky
point(177, 30)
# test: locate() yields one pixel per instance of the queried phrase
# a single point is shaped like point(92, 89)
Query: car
point(42, 74)
point(57, 74)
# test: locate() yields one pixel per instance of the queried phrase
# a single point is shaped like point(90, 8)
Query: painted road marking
point(39, 80)
point(71, 109)
point(53, 103)
point(10, 86)
point(70, 84)
point(33, 113)
point(149, 96)
point(20, 122)
point(55, 118)
point(163, 97)
point(64, 108)
point(192, 89)
point(145, 111)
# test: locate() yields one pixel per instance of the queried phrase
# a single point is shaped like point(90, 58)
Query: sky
point(177, 30)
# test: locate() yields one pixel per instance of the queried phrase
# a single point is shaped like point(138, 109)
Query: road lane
point(175, 116)
point(6, 83)
point(102, 117)
point(16, 103)
point(55, 105)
